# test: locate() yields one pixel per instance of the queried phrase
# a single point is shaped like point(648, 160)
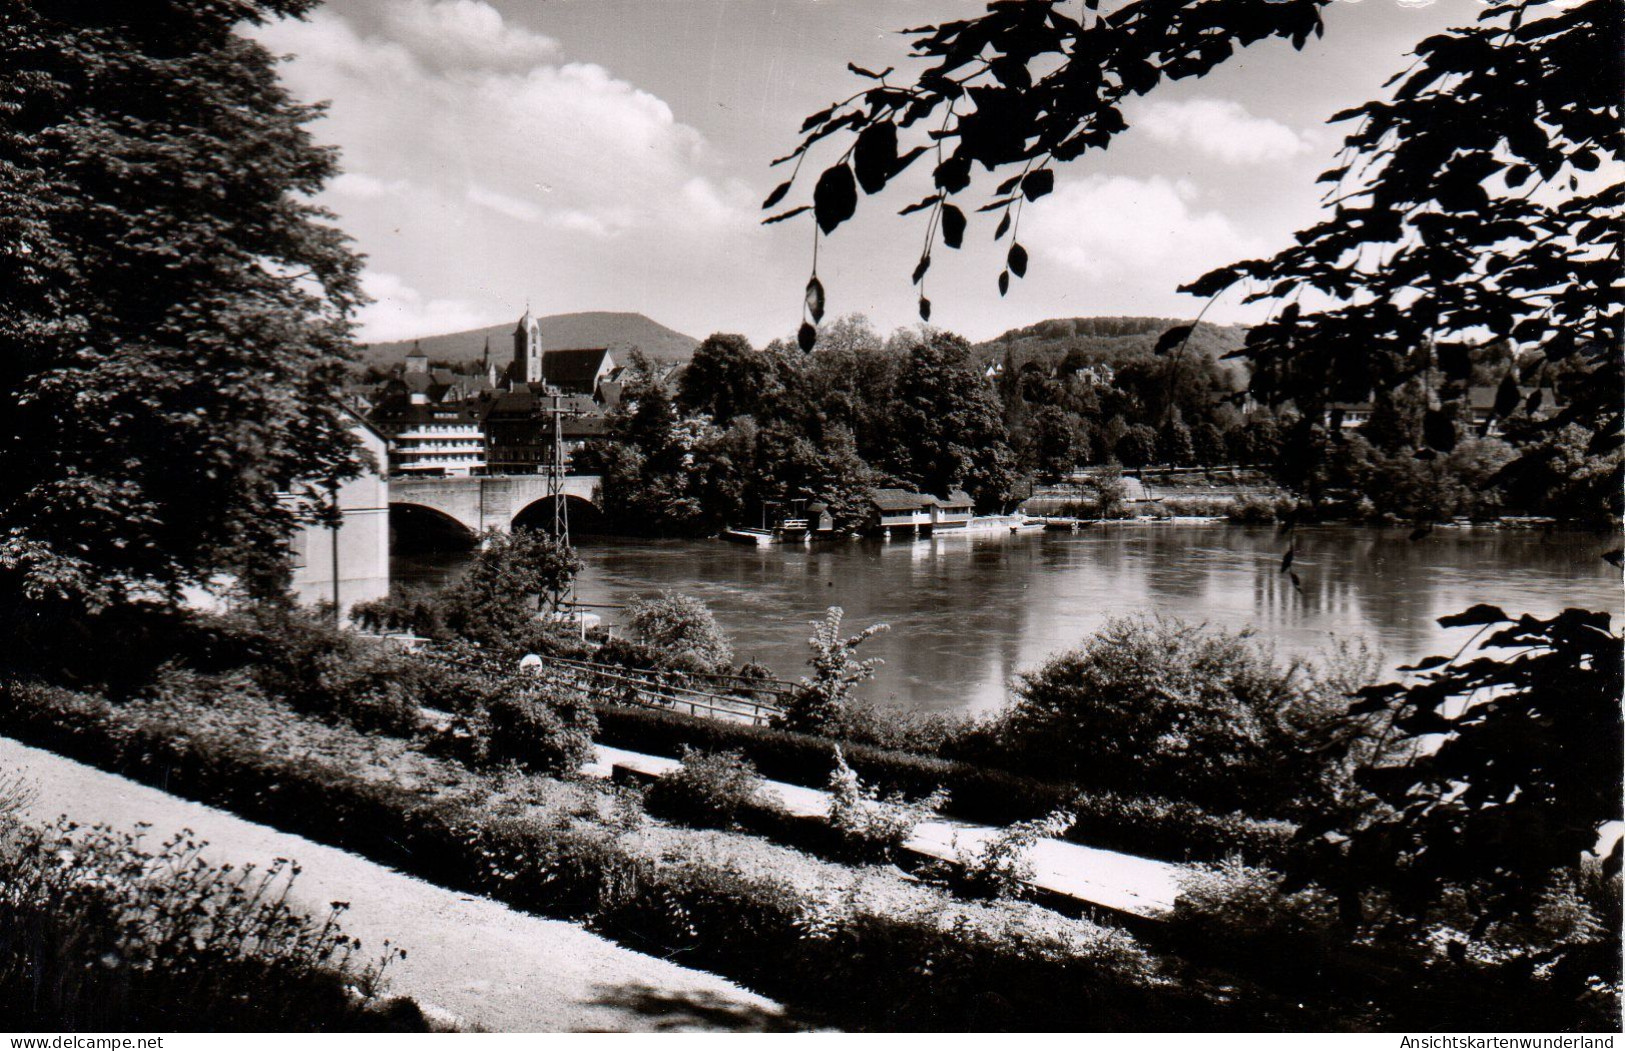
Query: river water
point(968, 612)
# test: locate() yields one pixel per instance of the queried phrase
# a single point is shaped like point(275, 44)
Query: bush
point(100, 932)
point(682, 628)
point(1256, 509)
point(1148, 826)
point(545, 728)
point(820, 705)
point(1002, 866)
point(1155, 703)
point(709, 789)
point(870, 827)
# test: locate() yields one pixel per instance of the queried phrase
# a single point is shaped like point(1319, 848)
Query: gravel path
point(479, 961)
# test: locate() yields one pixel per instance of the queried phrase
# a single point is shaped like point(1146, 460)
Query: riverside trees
point(172, 306)
point(1472, 206)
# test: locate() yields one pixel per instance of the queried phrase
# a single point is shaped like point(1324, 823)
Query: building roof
point(530, 401)
point(900, 500)
point(573, 368)
point(403, 414)
point(958, 498)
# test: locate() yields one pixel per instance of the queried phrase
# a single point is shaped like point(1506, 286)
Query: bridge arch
point(418, 527)
point(585, 516)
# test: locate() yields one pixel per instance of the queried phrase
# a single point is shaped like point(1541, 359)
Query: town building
point(893, 511)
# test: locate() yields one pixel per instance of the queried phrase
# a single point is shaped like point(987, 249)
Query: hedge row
point(859, 968)
point(1150, 827)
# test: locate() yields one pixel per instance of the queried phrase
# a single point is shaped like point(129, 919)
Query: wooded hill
point(619, 331)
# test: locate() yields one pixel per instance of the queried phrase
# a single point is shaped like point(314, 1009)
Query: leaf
point(925, 309)
point(1172, 338)
point(778, 193)
point(1425, 664)
point(953, 226)
point(1038, 183)
point(860, 71)
point(816, 119)
point(921, 267)
point(1004, 282)
point(921, 205)
point(875, 156)
point(1017, 260)
point(953, 174)
point(1439, 429)
point(806, 336)
point(1479, 614)
point(815, 298)
point(835, 197)
point(782, 216)
point(1003, 227)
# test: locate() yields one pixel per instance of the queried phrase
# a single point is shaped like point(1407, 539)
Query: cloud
point(455, 34)
point(399, 311)
point(364, 187)
point(502, 204)
point(1221, 129)
point(1135, 232)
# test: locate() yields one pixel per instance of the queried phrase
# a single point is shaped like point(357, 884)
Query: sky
point(575, 155)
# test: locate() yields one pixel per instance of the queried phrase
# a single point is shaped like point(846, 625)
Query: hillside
point(1106, 339)
point(617, 331)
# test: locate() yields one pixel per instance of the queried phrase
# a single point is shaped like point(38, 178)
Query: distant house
point(443, 440)
point(896, 510)
point(1480, 403)
point(519, 429)
point(953, 511)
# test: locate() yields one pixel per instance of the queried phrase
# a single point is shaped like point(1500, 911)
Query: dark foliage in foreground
point(100, 931)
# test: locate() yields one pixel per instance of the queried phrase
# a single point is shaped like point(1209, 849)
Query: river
point(968, 612)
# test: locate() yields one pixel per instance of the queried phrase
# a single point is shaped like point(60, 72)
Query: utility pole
point(561, 512)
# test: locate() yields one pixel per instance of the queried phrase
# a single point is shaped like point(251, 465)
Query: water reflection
point(968, 612)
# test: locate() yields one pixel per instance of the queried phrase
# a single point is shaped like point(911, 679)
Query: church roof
point(573, 368)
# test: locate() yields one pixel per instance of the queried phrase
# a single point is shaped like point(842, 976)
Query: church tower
point(527, 351)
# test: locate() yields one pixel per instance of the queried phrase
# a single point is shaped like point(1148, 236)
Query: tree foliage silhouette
point(172, 305)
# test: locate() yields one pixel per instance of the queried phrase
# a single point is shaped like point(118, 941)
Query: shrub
point(709, 789)
point(1002, 866)
point(820, 705)
point(682, 628)
point(100, 932)
point(1143, 825)
point(494, 603)
point(1155, 703)
point(1257, 509)
point(873, 828)
point(542, 727)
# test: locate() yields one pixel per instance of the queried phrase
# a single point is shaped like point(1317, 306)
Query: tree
point(1020, 88)
point(683, 626)
point(1137, 447)
point(1054, 438)
point(1464, 215)
point(495, 602)
point(1517, 788)
point(728, 378)
point(946, 429)
point(174, 309)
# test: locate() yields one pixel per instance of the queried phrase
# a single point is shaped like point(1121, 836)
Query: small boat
point(748, 535)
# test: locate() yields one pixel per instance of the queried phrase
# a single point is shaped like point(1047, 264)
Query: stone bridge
point(498, 501)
